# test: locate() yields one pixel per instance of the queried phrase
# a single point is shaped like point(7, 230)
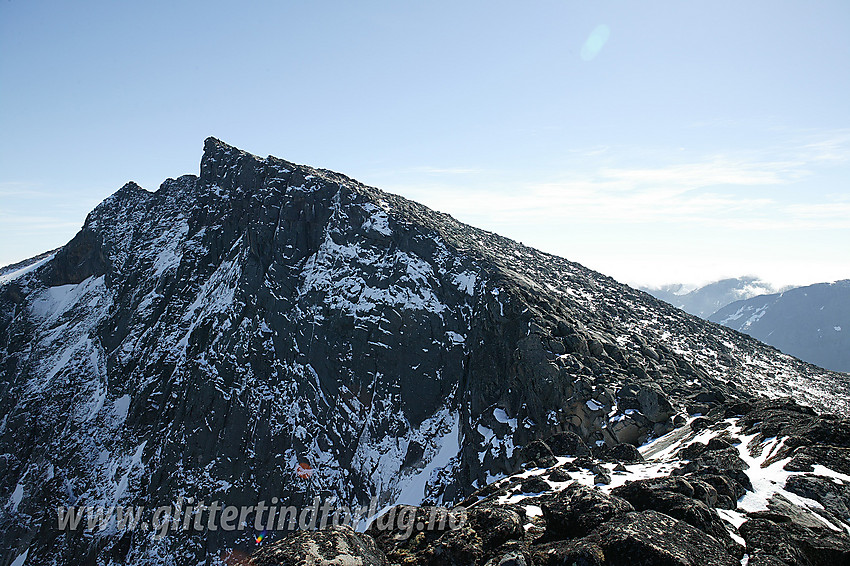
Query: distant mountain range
point(811, 323)
point(708, 299)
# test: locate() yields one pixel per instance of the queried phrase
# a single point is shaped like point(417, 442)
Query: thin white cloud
point(651, 215)
point(717, 191)
point(18, 189)
point(429, 170)
point(833, 148)
point(716, 171)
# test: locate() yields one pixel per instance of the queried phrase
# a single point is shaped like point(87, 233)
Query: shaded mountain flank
point(811, 322)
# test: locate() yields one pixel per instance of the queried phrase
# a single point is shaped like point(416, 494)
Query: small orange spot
point(303, 470)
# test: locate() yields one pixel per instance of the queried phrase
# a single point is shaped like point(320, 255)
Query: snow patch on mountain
point(13, 274)
point(447, 446)
point(334, 270)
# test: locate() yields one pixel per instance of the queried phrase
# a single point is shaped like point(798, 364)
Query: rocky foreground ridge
point(207, 339)
point(763, 483)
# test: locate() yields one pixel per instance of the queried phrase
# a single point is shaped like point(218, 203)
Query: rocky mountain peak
point(215, 334)
point(130, 187)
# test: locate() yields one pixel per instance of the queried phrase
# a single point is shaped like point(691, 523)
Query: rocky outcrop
point(538, 454)
point(776, 539)
point(670, 519)
point(649, 537)
point(681, 500)
point(832, 493)
point(334, 545)
point(481, 533)
point(567, 444)
point(577, 510)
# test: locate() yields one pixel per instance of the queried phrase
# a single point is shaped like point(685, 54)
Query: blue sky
point(653, 141)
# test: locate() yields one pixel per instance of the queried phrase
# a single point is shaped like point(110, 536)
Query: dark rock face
point(402, 545)
point(579, 552)
point(765, 537)
point(208, 338)
point(602, 476)
point(780, 539)
point(335, 545)
point(538, 454)
point(670, 519)
point(559, 475)
point(677, 498)
point(534, 484)
point(645, 538)
point(509, 559)
point(577, 510)
point(784, 417)
point(725, 462)
point(689, 518)
point(811, 438)
point(728, 490)
point(567, 444)
point(654, 405)
point(496, 525)
point(651, 538)
point(833, 494)
point(582, 526)
point(621, 453)
point(805, 458)
point(487, 533)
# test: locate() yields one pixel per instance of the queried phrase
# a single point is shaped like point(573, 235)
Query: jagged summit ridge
point(211, 335)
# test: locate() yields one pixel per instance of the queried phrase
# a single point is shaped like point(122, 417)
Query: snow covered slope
point(16, 270)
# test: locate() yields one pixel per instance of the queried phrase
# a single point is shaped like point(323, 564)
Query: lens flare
point(595, 42)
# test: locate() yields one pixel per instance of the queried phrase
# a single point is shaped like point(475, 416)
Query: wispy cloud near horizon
point(699, 187)
point(757, 195)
